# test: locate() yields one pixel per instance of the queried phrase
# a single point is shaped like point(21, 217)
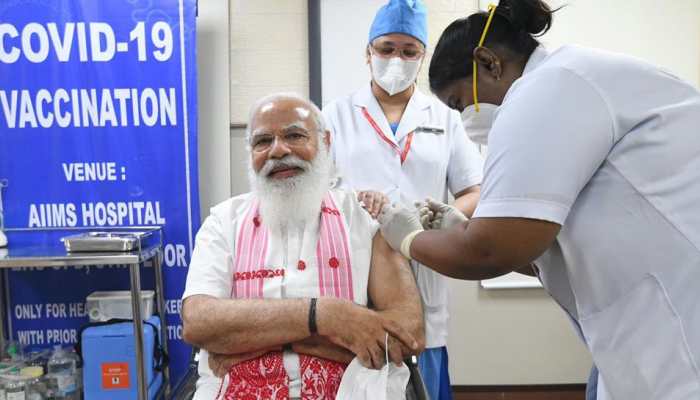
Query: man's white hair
point(315, 111)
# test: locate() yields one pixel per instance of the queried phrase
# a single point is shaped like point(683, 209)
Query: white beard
point(292, 202)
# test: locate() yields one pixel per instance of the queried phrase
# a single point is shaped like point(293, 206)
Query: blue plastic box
point(109, 361)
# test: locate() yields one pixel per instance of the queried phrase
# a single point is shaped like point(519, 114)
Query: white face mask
point(478, 124)
point(394, 74)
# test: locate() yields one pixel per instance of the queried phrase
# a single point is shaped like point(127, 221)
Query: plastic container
point(105, 305)
point(109, 361)
point(51, 385)
point(63, 367)
point(38, 359)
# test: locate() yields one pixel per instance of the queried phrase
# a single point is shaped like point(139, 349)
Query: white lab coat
point(440, 158)
point(609, 147)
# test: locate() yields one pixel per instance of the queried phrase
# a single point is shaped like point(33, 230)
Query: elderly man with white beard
point(280, 280)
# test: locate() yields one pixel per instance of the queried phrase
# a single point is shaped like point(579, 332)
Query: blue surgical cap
point(401, 16)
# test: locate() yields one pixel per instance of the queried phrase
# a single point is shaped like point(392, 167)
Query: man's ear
point(327, 138)
point(488, 60)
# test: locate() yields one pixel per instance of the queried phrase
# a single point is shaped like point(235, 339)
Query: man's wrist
point(312, 320)
point(406, 243)
point(324, 307)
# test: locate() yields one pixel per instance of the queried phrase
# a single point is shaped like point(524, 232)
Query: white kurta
point(210, 271)
point(441, 159)
point(609, 147)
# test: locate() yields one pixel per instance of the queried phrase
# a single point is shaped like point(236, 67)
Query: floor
point(560, 392)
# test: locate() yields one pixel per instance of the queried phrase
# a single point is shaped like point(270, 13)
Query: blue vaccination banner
point(98, 120)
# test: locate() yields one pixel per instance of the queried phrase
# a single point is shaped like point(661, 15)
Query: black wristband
point(312, 317)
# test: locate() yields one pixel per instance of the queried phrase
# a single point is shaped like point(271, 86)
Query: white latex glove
point(445, 216)
point(399, 226)
point(425, 215)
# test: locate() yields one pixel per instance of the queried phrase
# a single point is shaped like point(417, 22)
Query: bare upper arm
point(390, 277)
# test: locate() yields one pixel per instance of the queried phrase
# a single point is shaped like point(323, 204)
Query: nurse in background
point(389, 137)
point(593, 172)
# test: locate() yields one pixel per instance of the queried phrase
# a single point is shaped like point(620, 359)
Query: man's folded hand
point(362, 331)
point(319, 346)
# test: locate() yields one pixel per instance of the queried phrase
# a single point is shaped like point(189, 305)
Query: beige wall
point(213, 100)
point(269, 53)
point(666, 34)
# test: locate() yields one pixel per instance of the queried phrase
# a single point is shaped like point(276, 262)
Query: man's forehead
point(262, 129)
point(283, 115)
point(292, 107)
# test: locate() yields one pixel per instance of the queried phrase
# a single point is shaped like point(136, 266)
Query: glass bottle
point(15, 388)
point(63, 368)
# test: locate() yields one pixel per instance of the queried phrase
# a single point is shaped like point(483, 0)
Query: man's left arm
point(394, 295)
point(393, 291)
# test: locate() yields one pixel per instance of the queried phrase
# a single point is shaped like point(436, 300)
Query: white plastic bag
point(360, 383)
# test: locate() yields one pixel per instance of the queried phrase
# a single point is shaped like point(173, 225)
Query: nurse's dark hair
point(514, 28)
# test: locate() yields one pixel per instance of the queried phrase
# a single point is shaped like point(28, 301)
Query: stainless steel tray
point(104, 241)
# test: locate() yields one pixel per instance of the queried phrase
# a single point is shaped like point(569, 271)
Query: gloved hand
point(445, 216)
point(425, 214)
point(399, 226)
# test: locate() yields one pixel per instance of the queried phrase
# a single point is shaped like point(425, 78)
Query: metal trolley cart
point(54, 254)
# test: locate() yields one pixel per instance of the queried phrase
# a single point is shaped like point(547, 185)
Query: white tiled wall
point(440, 14)
point(269, 51)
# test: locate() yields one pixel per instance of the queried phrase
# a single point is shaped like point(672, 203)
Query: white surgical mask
point(394, 74)
point(478, 124)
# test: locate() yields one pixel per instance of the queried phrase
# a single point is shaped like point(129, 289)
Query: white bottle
point(63, 368)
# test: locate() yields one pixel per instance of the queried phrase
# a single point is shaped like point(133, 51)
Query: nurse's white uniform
point(609, 147)
point(438, 157)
